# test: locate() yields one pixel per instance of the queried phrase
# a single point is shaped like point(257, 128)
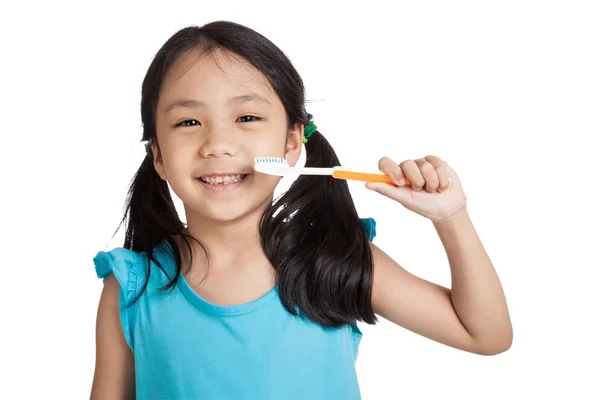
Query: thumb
point(399, 193)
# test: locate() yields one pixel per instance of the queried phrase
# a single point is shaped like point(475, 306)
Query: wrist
point(458, 217)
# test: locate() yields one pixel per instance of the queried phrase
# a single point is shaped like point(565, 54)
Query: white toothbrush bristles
point(277, 160)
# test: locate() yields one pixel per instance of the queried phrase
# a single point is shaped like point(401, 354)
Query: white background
point(507, 92)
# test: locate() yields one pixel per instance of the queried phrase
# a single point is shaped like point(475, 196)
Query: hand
point(435, 193)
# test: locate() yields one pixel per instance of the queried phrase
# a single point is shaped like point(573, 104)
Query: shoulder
point(132, 269)
point(129, 265)
point(118, 260)
point(124, 273)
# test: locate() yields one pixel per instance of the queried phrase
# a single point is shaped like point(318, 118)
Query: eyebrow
point(244, 98)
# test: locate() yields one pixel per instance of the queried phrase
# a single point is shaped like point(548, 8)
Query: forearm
point(476, 292)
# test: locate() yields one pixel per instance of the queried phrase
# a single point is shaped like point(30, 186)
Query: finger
point(413, 174)
point(400, 194)
point(429, 174)
point(441, 169)
point(393, 170)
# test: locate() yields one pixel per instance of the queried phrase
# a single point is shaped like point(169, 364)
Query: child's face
point(227, 115)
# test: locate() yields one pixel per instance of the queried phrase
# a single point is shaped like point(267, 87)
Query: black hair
point(312, 234)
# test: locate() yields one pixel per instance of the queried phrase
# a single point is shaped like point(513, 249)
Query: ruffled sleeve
point(369, 224)
point(123, 263)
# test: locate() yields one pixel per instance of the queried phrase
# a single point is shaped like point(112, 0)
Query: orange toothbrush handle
point(365, 177)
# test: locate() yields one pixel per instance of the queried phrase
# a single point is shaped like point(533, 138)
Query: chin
point(228, 215)
point(227, 212)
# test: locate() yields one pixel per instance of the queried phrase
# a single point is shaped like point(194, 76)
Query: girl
point(256, 299)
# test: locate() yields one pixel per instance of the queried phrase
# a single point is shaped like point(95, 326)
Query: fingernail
point(401, 182)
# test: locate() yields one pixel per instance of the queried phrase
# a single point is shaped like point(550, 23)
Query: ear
point(157, 160)
point(293, 147)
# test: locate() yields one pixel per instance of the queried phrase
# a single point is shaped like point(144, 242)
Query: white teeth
point(224, 180)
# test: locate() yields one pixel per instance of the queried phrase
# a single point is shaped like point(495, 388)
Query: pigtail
point(318, 245)
point(151, 217)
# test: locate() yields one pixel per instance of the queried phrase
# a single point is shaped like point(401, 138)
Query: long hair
point(312, 234)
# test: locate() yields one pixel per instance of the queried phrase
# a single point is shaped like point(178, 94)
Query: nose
point(218, 143)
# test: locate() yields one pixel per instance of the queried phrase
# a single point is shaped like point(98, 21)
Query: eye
point(248, 118)
point(188, 122)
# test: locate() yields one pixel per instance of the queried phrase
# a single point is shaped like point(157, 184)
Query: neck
point(230, 244)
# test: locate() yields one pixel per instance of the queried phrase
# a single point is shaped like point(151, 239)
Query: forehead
point(214, 76)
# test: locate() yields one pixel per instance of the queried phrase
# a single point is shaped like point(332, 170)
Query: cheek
point(177, 164)
point(269, 148)
point(264, 182)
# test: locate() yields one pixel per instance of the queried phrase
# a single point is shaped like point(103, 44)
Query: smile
point(222, 179)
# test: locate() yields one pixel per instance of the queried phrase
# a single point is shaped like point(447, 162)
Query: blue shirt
point(187, 348)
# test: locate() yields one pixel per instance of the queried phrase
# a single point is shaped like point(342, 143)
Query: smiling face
point(214, 115)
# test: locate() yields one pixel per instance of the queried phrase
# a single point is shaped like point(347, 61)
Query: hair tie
point(308, 131)
point(148, 149)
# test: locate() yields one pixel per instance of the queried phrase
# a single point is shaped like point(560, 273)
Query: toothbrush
point(279, 167)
